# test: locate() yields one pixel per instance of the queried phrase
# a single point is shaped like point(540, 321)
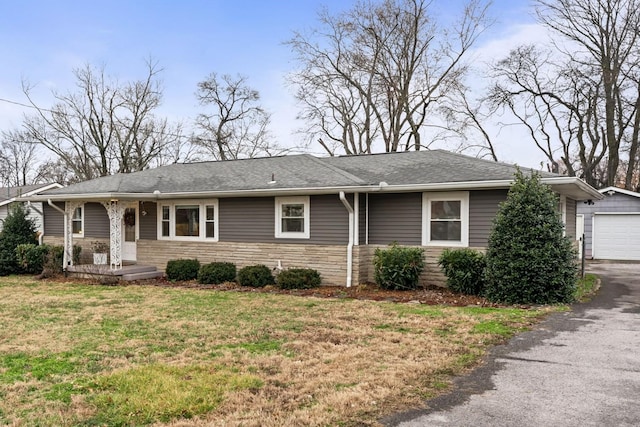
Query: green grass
point(147, 394)
point(20, 366)
point(77, 354)
point(586, 287)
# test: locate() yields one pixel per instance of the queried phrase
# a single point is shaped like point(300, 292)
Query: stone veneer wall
point(329, 260)
point(86, 256)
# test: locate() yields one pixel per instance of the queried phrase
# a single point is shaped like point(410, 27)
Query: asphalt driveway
point(580, 368)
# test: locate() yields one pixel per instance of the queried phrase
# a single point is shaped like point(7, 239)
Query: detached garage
point(612, 225)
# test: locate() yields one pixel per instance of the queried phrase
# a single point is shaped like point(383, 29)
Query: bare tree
point(467, 118)
point(379, 72)
point(105, 126)
point(237, 126)
point(18, 159)
point(580, 97)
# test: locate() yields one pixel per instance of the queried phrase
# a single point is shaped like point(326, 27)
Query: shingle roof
point(301, 172)
point(8, 193)
point(424, 167)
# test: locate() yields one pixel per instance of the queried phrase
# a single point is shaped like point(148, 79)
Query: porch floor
point(128, 272)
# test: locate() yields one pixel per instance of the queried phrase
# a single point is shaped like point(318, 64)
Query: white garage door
point(616, 236)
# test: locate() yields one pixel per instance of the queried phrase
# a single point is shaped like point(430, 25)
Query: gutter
point(346, 204)
point(367, 188)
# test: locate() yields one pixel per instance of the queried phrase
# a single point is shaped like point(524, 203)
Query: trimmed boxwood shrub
point(529, 260)
point(464, 269)
point(182, 269)
point(217, 272)
point(256, 276)
point(298, 278)
point(398, 267)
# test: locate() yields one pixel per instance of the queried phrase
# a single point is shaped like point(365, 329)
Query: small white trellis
point(115, 211)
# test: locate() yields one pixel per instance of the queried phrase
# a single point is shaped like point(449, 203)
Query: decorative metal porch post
point(115, 211)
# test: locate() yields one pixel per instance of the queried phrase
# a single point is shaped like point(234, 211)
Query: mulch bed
point(370, 291)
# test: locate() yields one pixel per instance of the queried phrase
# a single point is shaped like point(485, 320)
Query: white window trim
point(280, 201)
point(84, 214)
point(202, 204)
point(427, 198)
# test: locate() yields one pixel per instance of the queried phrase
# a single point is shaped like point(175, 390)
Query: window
point(445, 219)
point(188, 220)
point(77, 221)
point(292, 217)
point(166, 220)
point(210, 221)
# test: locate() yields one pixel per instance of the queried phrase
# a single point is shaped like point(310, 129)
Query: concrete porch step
point(142, 275)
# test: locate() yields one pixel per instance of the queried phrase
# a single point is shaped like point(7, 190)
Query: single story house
point(9, 195)
point(326, 213)
point(612, 225)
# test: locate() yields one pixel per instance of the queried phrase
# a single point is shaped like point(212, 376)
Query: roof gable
point(9, 194)
point(611, 190)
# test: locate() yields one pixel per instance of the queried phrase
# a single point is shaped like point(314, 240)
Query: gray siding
point(483, 206)
point(247, 219)
point(253, 220)
point(615, 203)
point(53, 220)
point(570, 225)
point(4, 211)
point(329, 220)
point(148, 227)
point(362, 220)
point(395, 217)
point(96, 221)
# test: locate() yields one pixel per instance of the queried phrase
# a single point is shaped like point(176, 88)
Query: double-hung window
point(188, 220)
point(445, 219)
point(77, 221)
point(292, 217)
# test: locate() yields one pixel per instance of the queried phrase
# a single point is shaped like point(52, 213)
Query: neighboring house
point(612, 225)
point(329, 213)
point(9, 195)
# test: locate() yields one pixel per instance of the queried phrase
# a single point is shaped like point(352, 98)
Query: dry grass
point(75, 354)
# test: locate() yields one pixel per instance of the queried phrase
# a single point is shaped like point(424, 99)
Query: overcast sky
point(43, 41)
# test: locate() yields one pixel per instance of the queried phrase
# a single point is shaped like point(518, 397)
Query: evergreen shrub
point(256, 276)
point(18, 229)
point(182, 269)
point(398, 267)
point(464, 269)
point(298, 278)
point(217, 272)
point(529, 260)
point(31, 257)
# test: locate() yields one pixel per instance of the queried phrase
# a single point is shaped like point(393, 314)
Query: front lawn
point(78, 354)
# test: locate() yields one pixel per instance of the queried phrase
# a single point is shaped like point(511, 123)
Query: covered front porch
point(109, 227)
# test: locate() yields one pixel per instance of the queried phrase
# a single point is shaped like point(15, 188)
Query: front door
point(129, 233)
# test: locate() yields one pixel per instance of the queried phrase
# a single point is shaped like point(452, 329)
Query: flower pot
point(99, 259)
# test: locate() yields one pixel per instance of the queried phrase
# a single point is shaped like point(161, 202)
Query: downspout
point(41, 236)
point(346, 204)
point(64, 214)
